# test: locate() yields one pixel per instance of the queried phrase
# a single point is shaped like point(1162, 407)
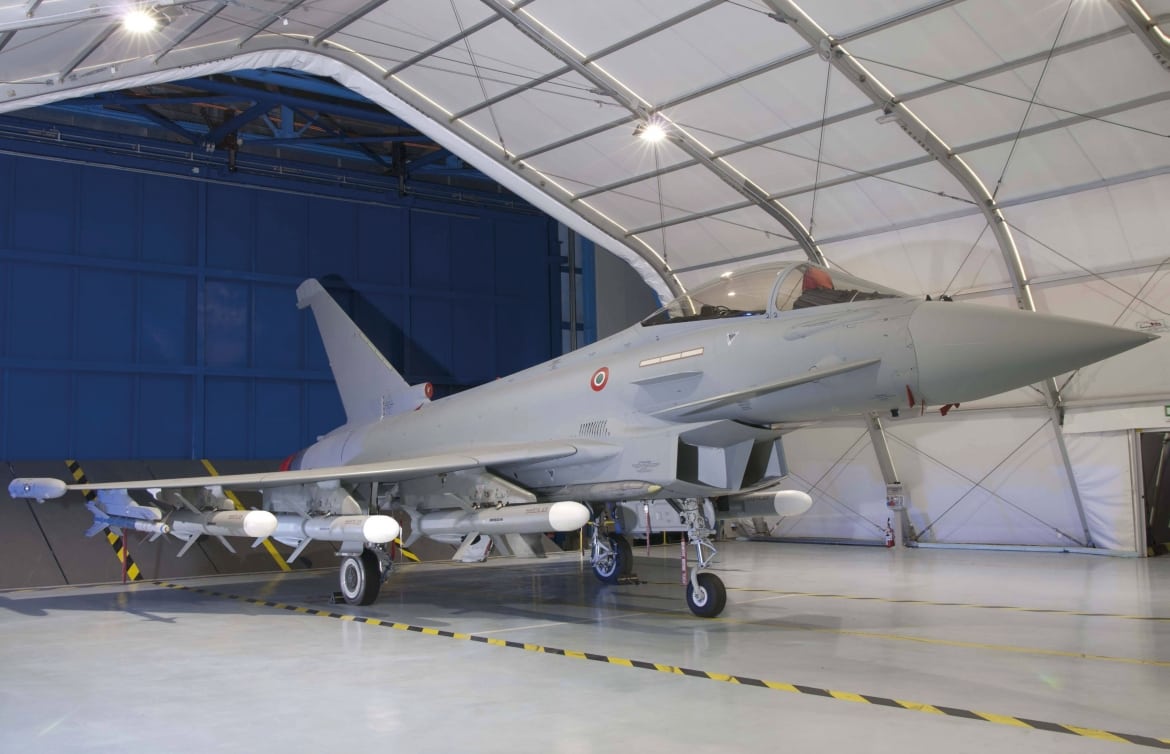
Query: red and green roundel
point(600, 379)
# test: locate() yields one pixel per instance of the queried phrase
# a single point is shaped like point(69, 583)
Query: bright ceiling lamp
point(652, 130)
point(140, 21)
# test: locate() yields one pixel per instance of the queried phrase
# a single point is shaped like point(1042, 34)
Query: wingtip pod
point(39, 489)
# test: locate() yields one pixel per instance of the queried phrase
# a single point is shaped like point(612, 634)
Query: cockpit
point(768, 290)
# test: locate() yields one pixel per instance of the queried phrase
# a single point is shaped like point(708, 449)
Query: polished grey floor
point(1071, 639)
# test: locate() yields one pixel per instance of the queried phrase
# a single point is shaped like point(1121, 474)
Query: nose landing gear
point(611, 556)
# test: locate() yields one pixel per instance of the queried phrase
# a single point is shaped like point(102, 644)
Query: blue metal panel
point(281, 233)
point(227, 316)
point(164, 419)
point(430, 249)
point(230, 227)
point(521, 259)
point(382, 239)
point(40, 312)
point(276, 336)
point(472, 255)
point(105, 327)
point(101, 427)
point(166, 320)
point(42, 206)
point(428, 355)
point(170, 220)
point(332, 237)
point(37, 415)
point(153, 316)
point(227, 417)
point(323, 409)
point(474, 346)
point(109, 214)
point(277, 419)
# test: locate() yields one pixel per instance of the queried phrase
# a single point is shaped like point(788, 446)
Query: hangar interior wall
point(148, 316)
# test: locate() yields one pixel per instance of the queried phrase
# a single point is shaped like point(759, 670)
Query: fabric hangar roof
point(939, 146)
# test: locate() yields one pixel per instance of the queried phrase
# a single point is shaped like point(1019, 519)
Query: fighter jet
point(687, 406)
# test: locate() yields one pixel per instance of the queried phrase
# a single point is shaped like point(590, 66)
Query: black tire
point(710, 598)
point(618, 563)
point(625, 554)
point(361, 578)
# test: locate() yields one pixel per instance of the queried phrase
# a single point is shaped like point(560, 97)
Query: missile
point(297, 531)
point(532, 518)
point(101, 521)
point(293, 527)
point(770, 504)
point(190, 525)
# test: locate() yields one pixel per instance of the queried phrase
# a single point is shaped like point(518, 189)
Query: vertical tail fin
point(370, 387)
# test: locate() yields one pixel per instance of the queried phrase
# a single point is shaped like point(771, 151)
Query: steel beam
point(678, 138)
point(611, 49)
point(190, 30)
point(347, 20)
point(269, 20)
point(445, 43)
point(1151, 99)
point(234, 123)
point(751, 73)
point(6, 37)
point(88, 50)
point(1145, 28)
point(859, 111)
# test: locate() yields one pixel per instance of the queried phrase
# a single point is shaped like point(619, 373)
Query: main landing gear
point(362, 574)
point(611, 557)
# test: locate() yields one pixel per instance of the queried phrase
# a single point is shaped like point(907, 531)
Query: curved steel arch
point(837, 56)
point(678, 137)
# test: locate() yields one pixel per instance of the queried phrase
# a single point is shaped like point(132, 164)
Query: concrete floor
point(152, 668)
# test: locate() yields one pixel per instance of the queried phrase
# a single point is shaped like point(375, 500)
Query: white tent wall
point(992, 477)
point(1104, 463)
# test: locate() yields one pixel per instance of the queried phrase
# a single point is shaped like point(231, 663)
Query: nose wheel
point(706, 595)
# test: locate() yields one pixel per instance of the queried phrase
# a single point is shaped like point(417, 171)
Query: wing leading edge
point(383, 471)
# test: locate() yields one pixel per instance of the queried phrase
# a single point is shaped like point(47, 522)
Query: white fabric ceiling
point(771, 138)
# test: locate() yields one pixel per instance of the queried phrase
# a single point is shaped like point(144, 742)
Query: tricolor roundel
point(599, 379)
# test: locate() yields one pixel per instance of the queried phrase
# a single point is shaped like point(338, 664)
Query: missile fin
point(227, 545)
point(187, 546)
point(299, 549)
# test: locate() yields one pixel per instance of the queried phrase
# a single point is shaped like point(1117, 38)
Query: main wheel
point(617, 563)
point(709, 599)
point(361, 578)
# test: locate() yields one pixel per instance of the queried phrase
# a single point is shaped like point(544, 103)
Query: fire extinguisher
point(889, 534)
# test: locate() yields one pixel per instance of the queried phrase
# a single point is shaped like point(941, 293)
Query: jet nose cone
point(968, 351)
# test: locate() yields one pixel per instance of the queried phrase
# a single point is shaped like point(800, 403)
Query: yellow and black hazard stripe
point(795, 688)
point(131, 568)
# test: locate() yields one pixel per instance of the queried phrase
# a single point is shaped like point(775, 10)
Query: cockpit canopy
point(769, 289)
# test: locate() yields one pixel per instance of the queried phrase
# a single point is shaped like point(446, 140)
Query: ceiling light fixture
point(652, 130)
point(140, 21)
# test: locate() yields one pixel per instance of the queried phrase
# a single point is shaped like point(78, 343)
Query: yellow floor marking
point(280, 561)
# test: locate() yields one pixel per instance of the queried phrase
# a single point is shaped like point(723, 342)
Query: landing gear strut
point(362, 575)
point(706, 595)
